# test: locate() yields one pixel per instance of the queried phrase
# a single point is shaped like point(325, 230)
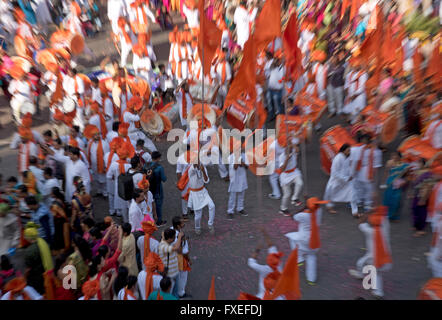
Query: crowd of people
point(247, 64)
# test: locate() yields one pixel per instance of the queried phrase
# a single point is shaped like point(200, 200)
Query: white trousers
point(99, 184)
point(353, 203)
point(287, 191)
point(184, 206)
point(181, 282)
point(274, 183)
point(223, 172)
point(199, 213)
point(310, 258)
point(236, 199)
point(363, 194)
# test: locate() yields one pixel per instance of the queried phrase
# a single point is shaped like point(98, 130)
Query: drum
point(151, 122)
point(330, 143)
point(170, 111)
point(68, 105)
point(76, 43)
point(301, 126)
point(196, 112)
point(210, 92)
point(261, 158)
point(240, 115)
point(382, 124)
point(414, 148)
point(310, 106)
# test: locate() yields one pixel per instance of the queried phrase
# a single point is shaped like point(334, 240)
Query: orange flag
point(344, 7)
point(355, 4)
point(209, 37)
point(292, 52)
point(245, 79)
point(288, 283)
point(434, 64)
point(417, 66)
point(268, 24)
point(212, 290)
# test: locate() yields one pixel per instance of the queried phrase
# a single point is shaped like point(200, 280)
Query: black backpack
point(126, 186)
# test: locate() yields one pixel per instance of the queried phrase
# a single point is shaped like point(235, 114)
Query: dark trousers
point(159, 206)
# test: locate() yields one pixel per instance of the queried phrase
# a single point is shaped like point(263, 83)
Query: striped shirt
point(163, 249)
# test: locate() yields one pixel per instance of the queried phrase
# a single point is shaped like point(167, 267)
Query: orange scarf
point(381, 256)
point(127, 293)
point(102, 125)
point(184, 104)
point(370, 162)
point(100, 156)
point(109, 160)
point(315, 241)
point(26, 155)
point(121, 164)
point(189, 67)
point(223, 73)
point(125, 34)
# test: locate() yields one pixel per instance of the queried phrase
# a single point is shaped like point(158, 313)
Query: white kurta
point(192, 16)
point(153, 246)
point(112, 174)
point(302, 236)
point(288, 177)
point(356, 153)
point(339, 188)
point(263, 271)
point(241, 19)
point(198, 199)
point(93, 147)
point(72, 169)
point(238, 177)
point(24, 152)
point(142, 283)
point(355, 84)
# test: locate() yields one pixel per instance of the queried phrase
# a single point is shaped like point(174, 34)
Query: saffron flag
point(288, 282)
point(245, 80)
point(268, 24)
point(209, 37)
point(292, 52)
point(212, 295)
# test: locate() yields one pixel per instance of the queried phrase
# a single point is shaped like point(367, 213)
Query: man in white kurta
point(238, 184)
point(134, 133)
point(356, 94)
point(110, 184)
point(115, 9)
point(290, 176)
point(108, 108)
point(183, 58)
point(363, 184)
point(120, 205)
point(136, 212)
point(221, 72)
point(181, 167)
point(274, 177)
point(241, 19)
point(199, 196)
point(22, 100)
point(184, 101)
point(339, 187)
point(98, 178)
point(26, 149)
point(73, 167)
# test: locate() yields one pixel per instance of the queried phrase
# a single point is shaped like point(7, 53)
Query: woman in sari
point(80, 259)
point(61, 223)
point(422, 186)
point(394, 185)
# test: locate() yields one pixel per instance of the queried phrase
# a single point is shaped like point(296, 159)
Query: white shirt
point(241, 19)
point(69, 85)
point(287, 177)
point(20, 90)
point(153, 246)
point(93, 153)
point(355, 155)
point(121, 295)
point(263, 271)
point(142, 283)
point(238, 177)
point(47, 190)
point(111, 135)
point(131, 118)
point(192, 16)
point(136, 215)
point(274, 75)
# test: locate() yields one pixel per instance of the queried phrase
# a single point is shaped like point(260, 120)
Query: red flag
point(245, 79)
point(209, 37)
point(288, 283)
point(268, 24)
point(292, 52)
point(212, 290)
point(344, 7)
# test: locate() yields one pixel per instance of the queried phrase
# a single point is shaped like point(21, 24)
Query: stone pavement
point(225, 254)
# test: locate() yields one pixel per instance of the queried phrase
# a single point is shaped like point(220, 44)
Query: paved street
point(225, 254)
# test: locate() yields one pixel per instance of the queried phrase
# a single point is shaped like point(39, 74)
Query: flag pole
point(203, 75)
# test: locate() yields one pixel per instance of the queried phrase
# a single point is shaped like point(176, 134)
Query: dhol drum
point(310, 106)
point(261, 158)
point(330, 143)
point(414, 148)
point(68, 105)
point(240, 115)
point(170, 111)
point(76, 43)
point(151, 122)
point(210, 92)
point(382, 124)
point(300, 125)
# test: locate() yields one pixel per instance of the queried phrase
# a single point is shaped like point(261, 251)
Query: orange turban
point(73, 143)
point(25, 133)
point(26, 121)
point(123, 129)
point(90, 289)
point(126, 150)
point(90, 130)
point(148, 227)
point(135, 103)
point(115, 143)
point(143, 184)
point(312, 203)
point(274, 259)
